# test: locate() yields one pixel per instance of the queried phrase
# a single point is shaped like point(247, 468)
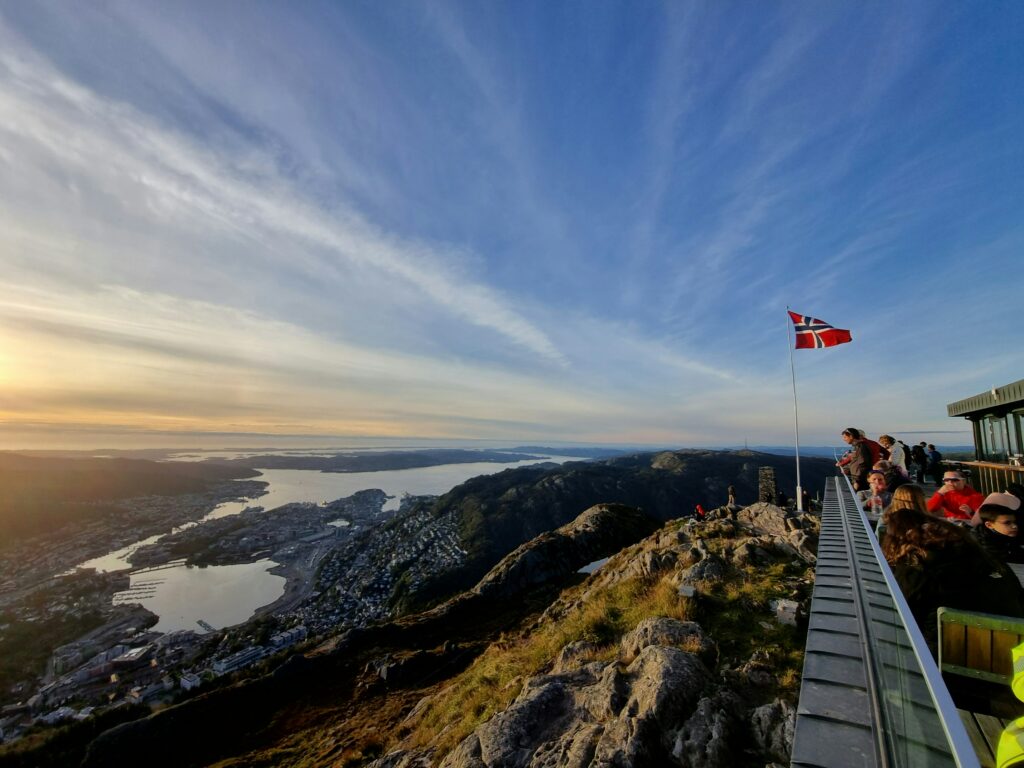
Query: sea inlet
point(226, 595)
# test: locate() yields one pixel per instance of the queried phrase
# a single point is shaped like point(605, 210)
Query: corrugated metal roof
point(997, 399)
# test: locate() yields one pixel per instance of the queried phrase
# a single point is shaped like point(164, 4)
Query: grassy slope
point(730, 612)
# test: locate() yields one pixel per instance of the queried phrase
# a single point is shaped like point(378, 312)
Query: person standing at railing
point(955, 499)
point(920, 458)
point(897, 457)
point(858, 460)
point(934, 463)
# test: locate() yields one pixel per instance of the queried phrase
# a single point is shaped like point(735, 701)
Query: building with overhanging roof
point(995, 418)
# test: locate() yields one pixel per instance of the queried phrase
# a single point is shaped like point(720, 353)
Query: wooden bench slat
point(986, 755)
point(992, 728)
point(954, 644)
point(1003, 643)
point(979, 649)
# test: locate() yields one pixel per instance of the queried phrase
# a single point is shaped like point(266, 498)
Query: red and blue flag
point(812, 333)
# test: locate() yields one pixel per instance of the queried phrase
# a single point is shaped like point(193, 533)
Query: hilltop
point(496, 513)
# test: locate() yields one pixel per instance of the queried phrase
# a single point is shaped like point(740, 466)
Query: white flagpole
point(796, 417)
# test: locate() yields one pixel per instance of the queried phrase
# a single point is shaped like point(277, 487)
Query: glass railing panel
point(913, 718)
point(919, 723)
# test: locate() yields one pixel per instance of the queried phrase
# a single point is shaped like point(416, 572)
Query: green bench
point(977, 646)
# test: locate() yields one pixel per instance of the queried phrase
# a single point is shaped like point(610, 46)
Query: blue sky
point(505, 221)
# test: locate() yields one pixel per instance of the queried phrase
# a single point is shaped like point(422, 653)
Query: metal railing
point(871, 693)
point(989, 476)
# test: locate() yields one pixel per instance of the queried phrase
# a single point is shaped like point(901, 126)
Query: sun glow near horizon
point(195, 239)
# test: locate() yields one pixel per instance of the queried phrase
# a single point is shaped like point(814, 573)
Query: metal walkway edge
point(870, 693)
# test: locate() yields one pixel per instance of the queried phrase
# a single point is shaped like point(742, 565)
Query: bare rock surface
point(773, 725)
point(602, 715)
point(599, 531)
point(663, 700)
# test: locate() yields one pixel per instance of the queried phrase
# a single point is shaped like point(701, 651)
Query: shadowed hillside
point(40, 494)
point(499, 512)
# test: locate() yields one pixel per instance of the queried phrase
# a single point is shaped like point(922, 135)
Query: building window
point(1013, 425)
point(994, 438)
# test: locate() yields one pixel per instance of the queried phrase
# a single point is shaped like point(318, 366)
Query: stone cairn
point(766, 484)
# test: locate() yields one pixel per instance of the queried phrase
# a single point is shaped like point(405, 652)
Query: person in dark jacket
point(920, 457)
point(937, 563)
point(934, 464)
point(998, 532)
point(858, 460)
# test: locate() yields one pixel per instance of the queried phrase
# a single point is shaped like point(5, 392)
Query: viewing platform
point(871, 692)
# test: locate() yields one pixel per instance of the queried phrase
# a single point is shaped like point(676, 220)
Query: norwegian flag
point(812, 333)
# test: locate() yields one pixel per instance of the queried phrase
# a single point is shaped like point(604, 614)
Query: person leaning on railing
point(937, 563)
point(858, 460)
point(955, 499)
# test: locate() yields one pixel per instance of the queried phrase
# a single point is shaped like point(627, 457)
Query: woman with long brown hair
point(937, 563)
point(909, 497)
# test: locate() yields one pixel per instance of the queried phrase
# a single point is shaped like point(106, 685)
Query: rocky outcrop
point(782, 528)
point(667, 698)
point(773, 725)
point(604, 714)
point(598, 532)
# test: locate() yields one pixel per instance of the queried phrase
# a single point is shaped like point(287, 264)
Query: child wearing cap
point(998, 532)
point(955, 500)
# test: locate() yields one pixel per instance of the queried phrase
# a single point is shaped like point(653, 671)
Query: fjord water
point(220, 595)
point(230, 594)
point(288, 486)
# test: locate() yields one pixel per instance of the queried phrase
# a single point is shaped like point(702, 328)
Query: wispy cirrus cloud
point(168, 179)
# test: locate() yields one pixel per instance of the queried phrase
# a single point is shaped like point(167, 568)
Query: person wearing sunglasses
point(955, 499)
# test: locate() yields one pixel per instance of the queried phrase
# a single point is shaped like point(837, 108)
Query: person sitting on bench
point(998, 532)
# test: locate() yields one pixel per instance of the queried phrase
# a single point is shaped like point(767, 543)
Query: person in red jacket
point(955, 499)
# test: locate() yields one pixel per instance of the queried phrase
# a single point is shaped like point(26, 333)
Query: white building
point(189, 681)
